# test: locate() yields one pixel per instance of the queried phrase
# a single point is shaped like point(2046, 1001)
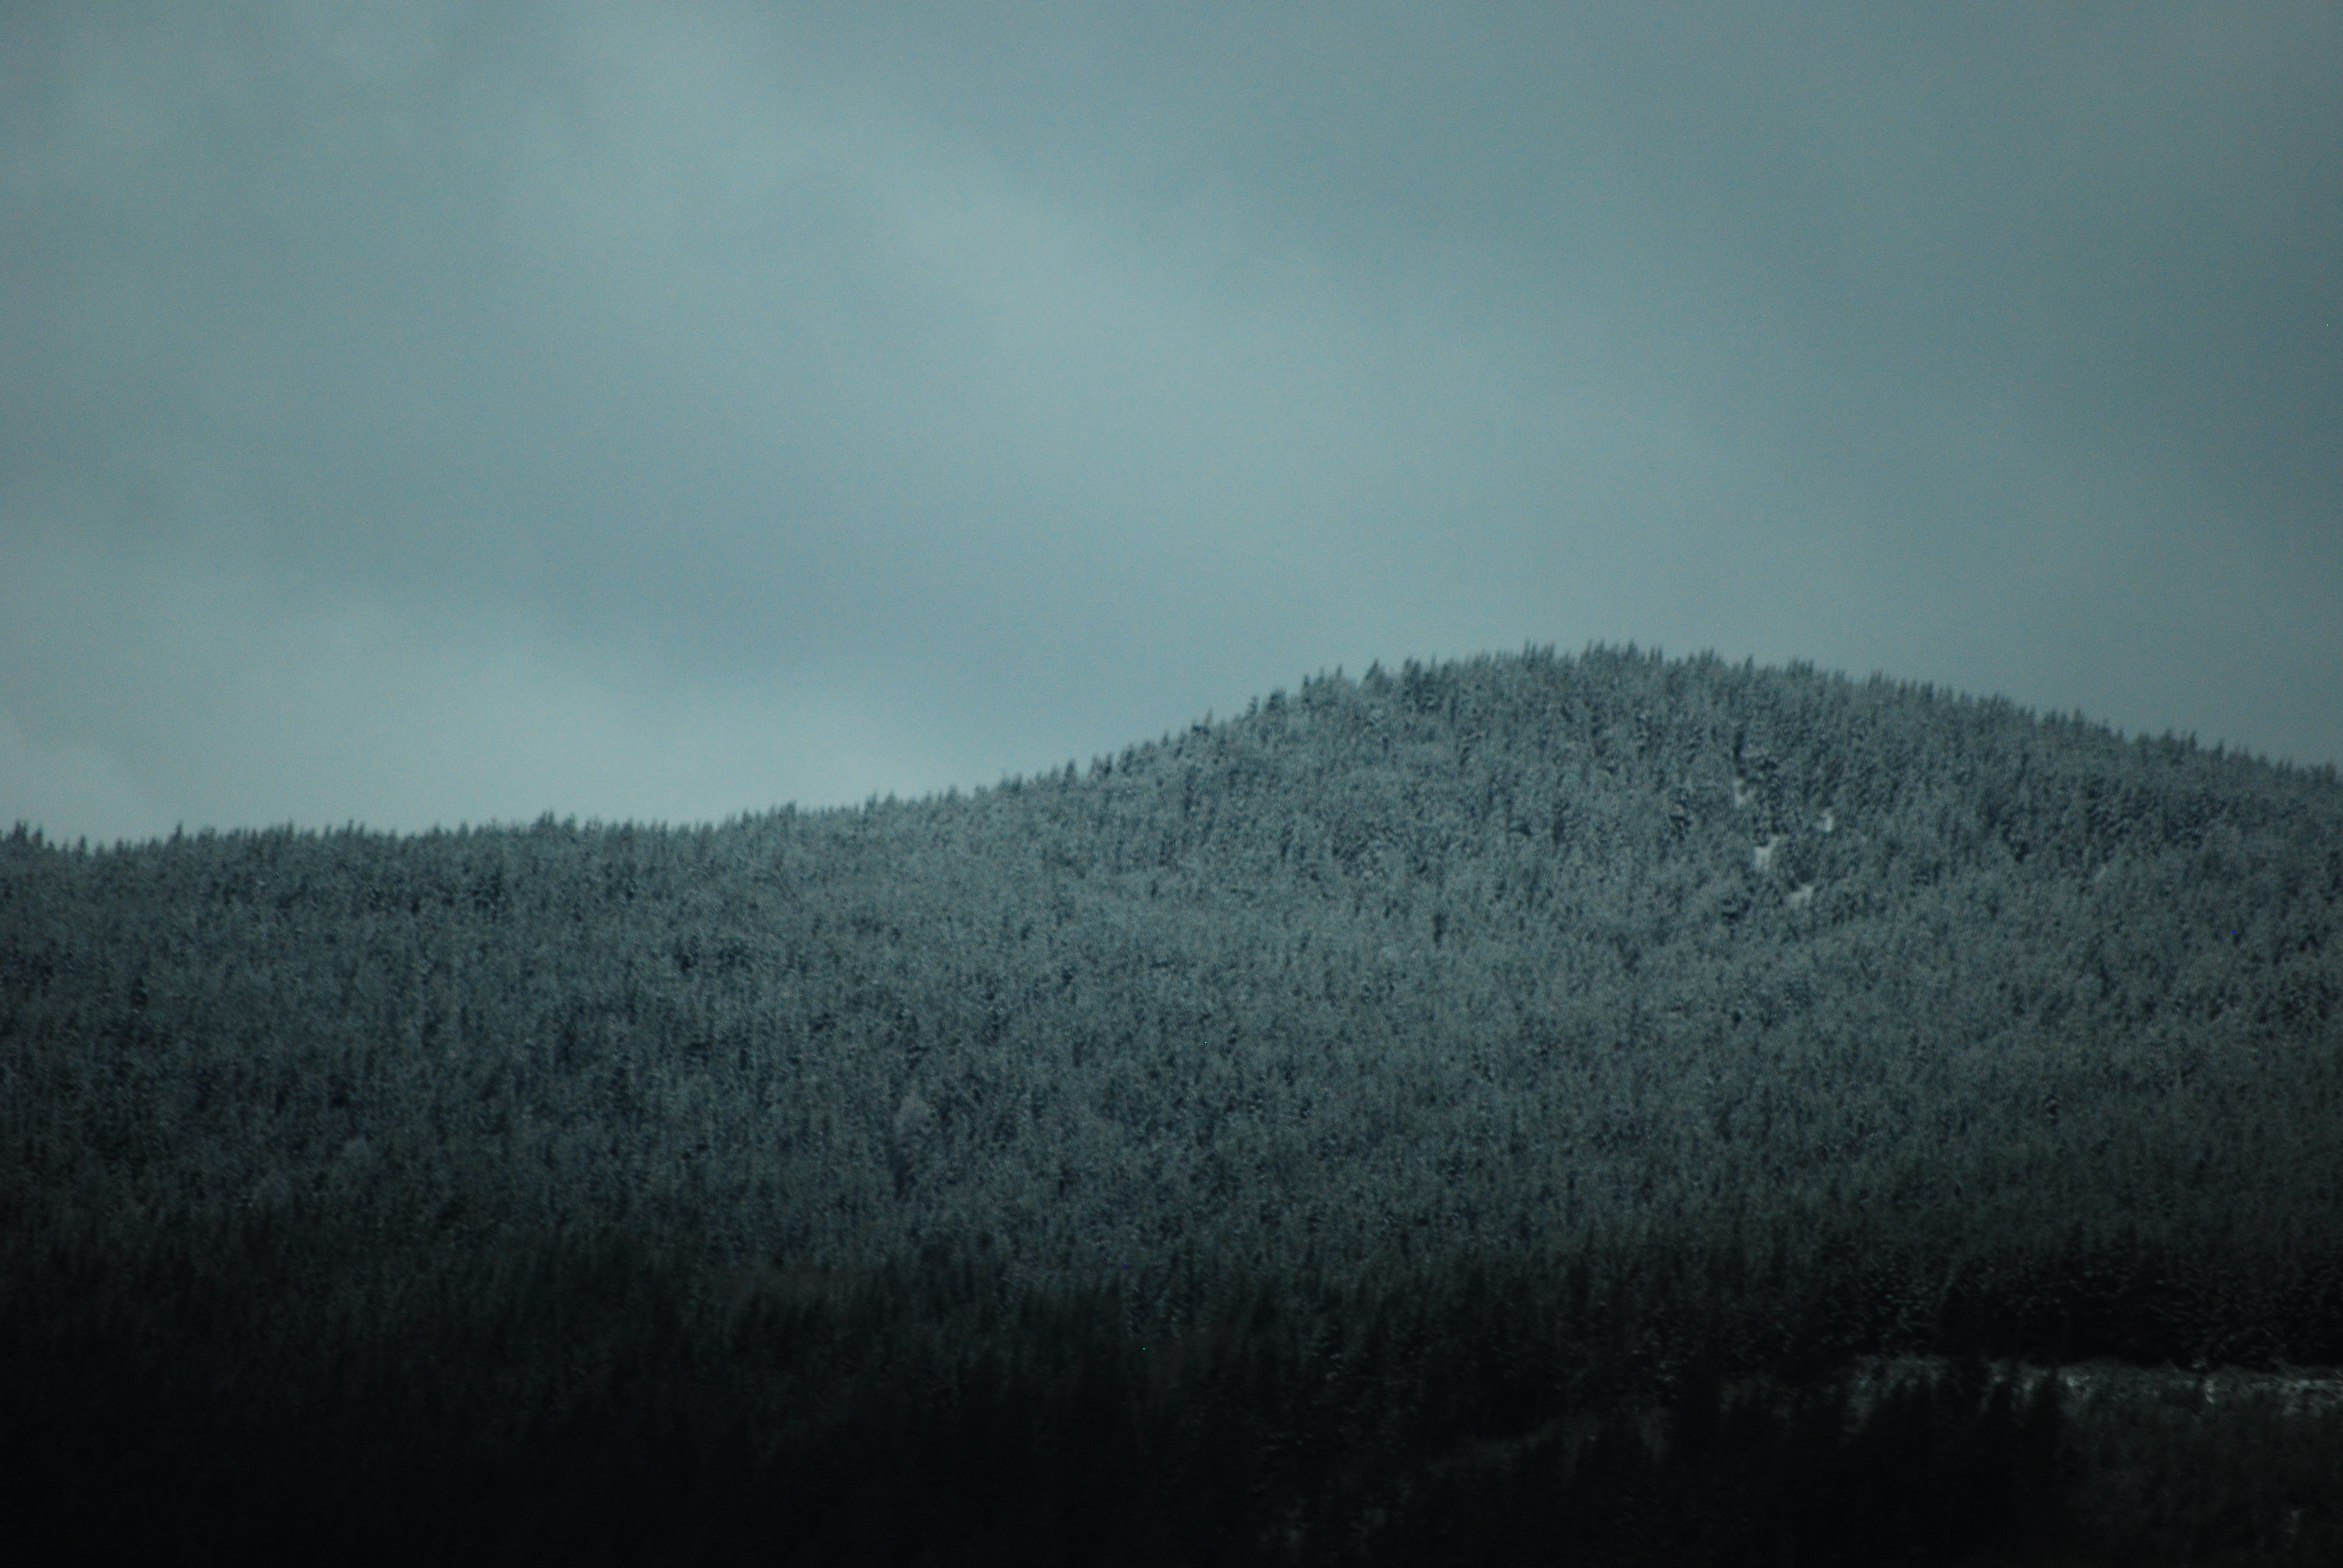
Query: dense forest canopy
point(1320, 1136)
point(1507, 958)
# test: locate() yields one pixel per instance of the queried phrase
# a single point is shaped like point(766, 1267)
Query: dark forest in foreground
point(1211, 1152)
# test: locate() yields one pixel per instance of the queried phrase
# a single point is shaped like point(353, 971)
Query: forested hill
point(1958, 1014)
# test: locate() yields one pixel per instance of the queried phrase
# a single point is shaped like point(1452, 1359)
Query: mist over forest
point(1493, 1049)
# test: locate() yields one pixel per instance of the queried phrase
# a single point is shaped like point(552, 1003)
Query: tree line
point(1759, 1016)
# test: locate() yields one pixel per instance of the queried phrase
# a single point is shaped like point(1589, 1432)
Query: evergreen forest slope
point(1791, 1016)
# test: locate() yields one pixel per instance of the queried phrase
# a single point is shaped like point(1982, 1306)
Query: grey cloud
point(1019, 381)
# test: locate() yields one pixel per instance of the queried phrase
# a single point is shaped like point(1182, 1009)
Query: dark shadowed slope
point(1761, 1010)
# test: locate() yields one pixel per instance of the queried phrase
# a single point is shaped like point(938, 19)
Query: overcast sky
point(418, 413)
